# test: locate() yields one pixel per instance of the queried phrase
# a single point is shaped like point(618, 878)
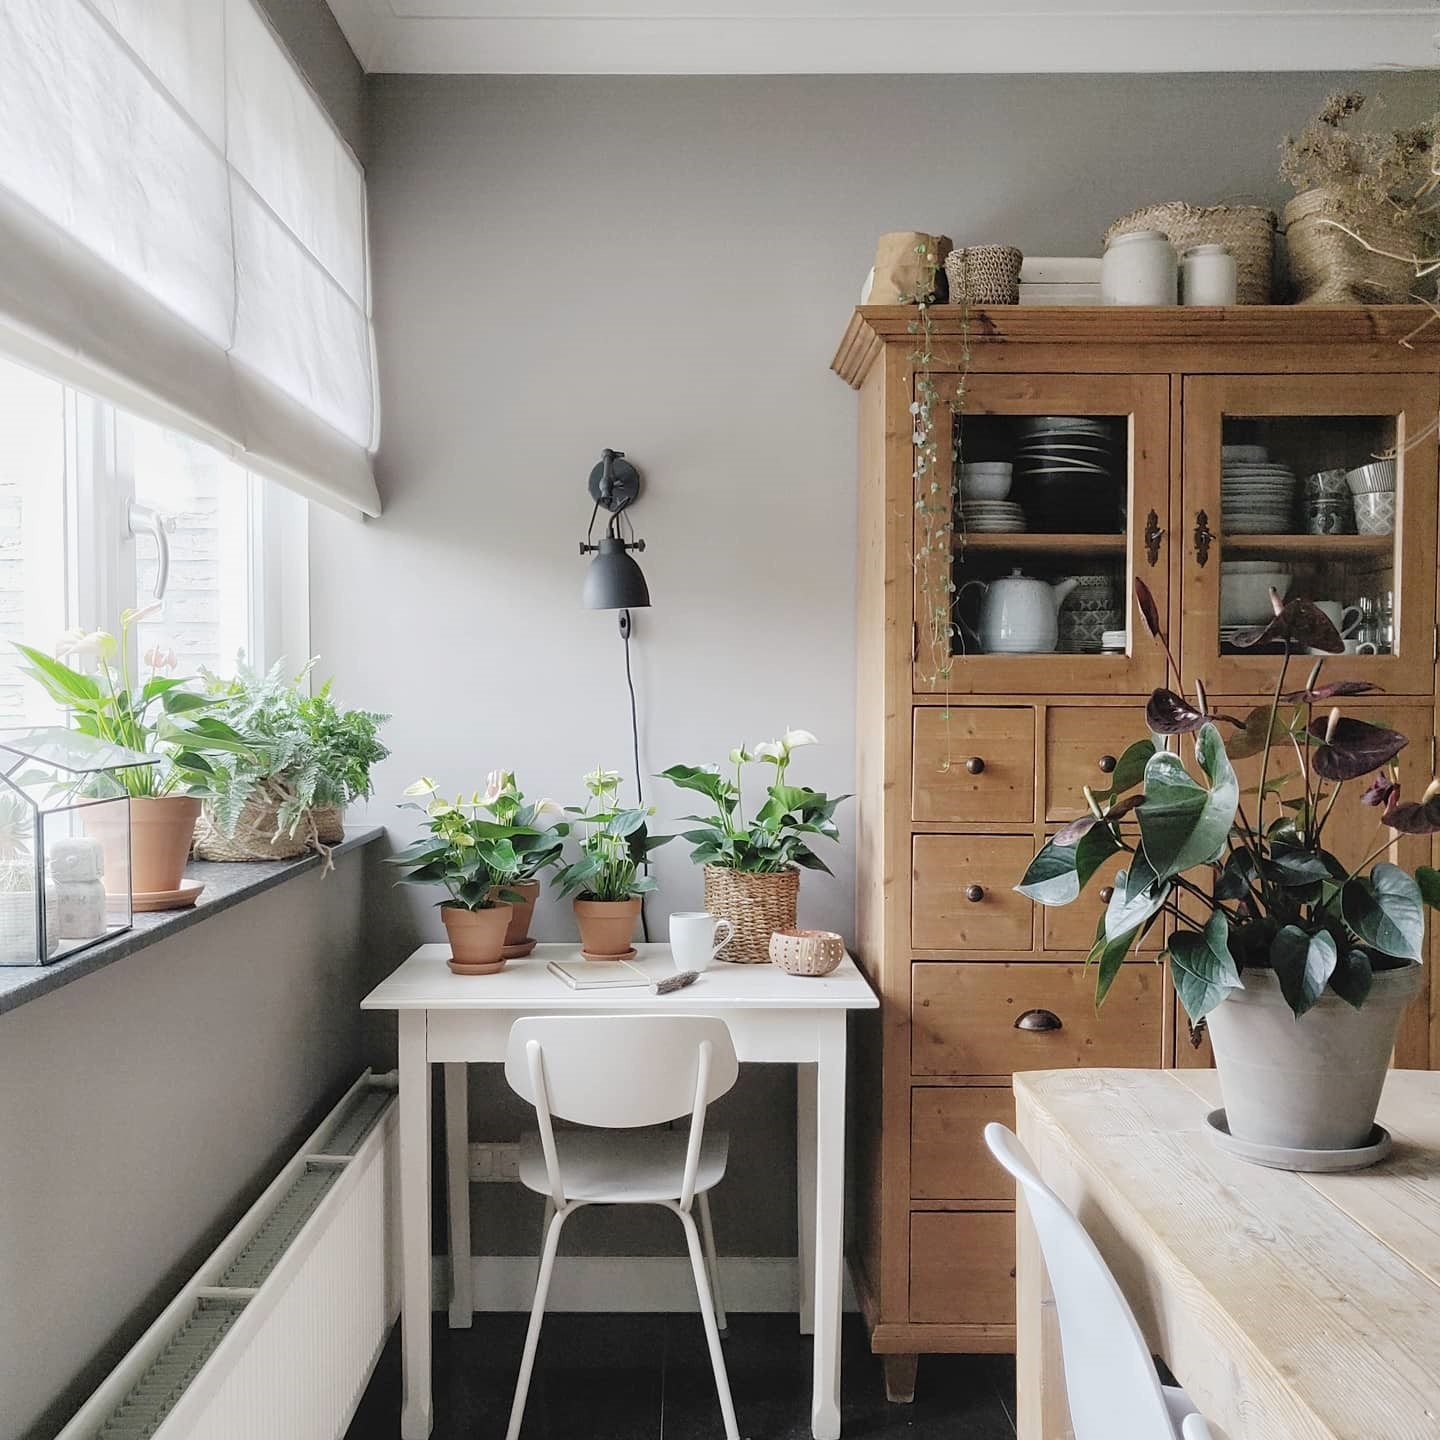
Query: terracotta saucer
point(518, 952)
point(491, 967)
point(144, 902)
point(624, 955)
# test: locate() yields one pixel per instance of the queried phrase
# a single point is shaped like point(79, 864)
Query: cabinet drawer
point(976, 765)
point(962, 893)
point(962, 1267)
point(963, 1017)
point(1081, 745)
point(1072, 927)
point(949, 1159)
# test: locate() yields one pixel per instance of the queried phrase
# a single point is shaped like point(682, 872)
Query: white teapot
point(1019, 615)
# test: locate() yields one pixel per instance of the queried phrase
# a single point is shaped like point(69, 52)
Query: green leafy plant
point(304, 751)
point(615, 843)
point(479, 849)
point(775, 838)
point(165, 715)
point(1262, 889)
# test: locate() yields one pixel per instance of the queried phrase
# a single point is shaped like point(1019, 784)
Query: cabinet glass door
point(1026, 584)
point(1313, 486)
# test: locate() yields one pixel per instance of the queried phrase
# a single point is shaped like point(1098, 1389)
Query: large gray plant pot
point(1311, 1083)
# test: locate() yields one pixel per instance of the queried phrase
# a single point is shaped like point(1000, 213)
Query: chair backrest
point(1110, 1379)
point(618, 1072)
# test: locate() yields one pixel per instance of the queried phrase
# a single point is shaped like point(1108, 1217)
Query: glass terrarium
point(64, 843)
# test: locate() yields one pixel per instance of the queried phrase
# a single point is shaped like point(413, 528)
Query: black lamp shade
point(614, 581)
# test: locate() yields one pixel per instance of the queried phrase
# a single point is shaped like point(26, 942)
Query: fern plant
point(304, 752)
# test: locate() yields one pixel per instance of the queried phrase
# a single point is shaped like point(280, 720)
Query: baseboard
point(624, 1284)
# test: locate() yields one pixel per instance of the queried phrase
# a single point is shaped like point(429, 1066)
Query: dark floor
point(628, 1377)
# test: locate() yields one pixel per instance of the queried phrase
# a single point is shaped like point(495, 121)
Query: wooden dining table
point(1289, 1306)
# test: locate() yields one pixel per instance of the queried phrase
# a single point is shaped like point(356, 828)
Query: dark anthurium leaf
point(1354, 747)
point(1137, 879)
point(1331, 690)
point(1130, 768)
point(1203, 967)
point(1293, 867)
point(1381, 791)
point(1182, 823)
point(1051, 878)
point(1352, 977)
point(1414, 817)
point(1148, 608)
point(1126, 913)
point(1235, 876)
point(1428, 880)
point(1109, 955)
point(1092, 850)
point(1279, 724)
point(1072, 833)
point(1385, 910)
point(1301, 623)
point(1303, 964)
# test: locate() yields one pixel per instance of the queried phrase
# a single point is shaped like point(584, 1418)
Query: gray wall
point(665, 266)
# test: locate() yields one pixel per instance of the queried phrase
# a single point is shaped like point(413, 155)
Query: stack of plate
point(1257, 494)
point(991, 517)
point(1070, 468)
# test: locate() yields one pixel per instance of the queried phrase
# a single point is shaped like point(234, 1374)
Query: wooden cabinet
point(1166, 446)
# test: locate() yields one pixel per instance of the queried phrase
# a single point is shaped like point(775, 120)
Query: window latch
point(146, 520)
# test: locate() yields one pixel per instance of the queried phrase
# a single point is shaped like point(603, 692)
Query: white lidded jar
point(1139, 269)
point(1207, 276)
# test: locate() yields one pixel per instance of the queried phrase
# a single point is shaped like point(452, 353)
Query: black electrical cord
point(635, 752)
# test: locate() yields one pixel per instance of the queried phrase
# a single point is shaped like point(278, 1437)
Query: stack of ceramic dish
point(1087, 614)
point(1257, 494)
point(1113, 642)
point(991, 517)
point(1325, 507)
point(1245, 587)
point(1070, 467)
point(1372, 492)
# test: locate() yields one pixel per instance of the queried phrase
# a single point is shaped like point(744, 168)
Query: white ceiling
point(768, 37)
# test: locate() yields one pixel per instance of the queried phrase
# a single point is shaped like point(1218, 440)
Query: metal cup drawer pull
point(974, 893)
point(1039, 1020)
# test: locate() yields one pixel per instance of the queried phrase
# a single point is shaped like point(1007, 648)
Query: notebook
point(598, 974)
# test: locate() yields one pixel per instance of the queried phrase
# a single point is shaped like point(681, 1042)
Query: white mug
point(1344, 618)
point(693, 938)
point(1361, 647)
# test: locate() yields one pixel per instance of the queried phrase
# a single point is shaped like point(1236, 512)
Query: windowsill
point(226, 885)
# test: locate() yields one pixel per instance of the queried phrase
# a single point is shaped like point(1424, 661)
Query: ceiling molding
point(726, 37)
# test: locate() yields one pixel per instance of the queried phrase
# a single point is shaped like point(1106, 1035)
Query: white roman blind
point(183, 231)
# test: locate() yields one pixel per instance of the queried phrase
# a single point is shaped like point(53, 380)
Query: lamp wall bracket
point(614, 482)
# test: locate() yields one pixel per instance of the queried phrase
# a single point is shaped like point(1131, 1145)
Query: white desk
point(775, 1018)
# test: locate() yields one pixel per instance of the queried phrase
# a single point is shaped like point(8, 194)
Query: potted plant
point(608, 881)
point(1299, 964)
point(1361, 225)
point(538, 841)
point(470, 854)
point(307, 759)
point(164, 715)
point(752, 868)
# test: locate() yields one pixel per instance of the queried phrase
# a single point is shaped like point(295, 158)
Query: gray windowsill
point(225, 885)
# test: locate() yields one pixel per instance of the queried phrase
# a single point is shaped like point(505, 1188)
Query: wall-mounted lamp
point(614, 580)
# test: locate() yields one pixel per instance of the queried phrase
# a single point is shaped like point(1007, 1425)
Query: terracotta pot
point(477, 938)
point(161, 831)
point(1311, 1083)
point(517, 937)
point(607, 927)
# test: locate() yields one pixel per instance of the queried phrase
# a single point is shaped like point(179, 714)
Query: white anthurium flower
point(83, 643)
point(438, 808)
point(423, 786)
point(547, 809)
point(794, 739)
point(159, 657)
point(494, 787)
point(739, 755)
point(771, 750)
point(145, 612)
point(599, 780)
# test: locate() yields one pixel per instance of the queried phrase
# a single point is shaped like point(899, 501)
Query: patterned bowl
point(1375, 513)
point(806, 952)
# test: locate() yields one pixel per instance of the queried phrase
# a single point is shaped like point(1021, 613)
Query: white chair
point(621, 1072)
point(1110, 1380)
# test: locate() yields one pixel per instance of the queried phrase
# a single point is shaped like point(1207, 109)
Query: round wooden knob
point(1107, 894)
point(1107, 764)
point(1038, 1020)
point(974, 893)
point(975, 765)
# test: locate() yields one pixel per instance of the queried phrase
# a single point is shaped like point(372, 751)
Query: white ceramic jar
point(1139, 269)
point(1207, 276)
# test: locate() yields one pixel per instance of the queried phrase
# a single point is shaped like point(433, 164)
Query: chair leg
point(707, 1234)
point(537, 1316)
point(712, 1331)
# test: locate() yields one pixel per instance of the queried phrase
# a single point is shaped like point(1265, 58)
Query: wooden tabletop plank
point(1282, 1312)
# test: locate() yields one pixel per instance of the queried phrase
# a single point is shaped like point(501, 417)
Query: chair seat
point(638, 1166)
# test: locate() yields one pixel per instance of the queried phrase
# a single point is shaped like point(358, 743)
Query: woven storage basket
point(254, 837)
point(806, 952)
point(1328, 267)
point(984, 274)
point(1246, 231)
point(756, 905)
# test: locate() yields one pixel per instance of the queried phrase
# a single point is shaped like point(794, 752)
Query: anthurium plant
point(1261, 888)
point(776, 837)
point(615, 843)
point(153, 711)
point(478, 849)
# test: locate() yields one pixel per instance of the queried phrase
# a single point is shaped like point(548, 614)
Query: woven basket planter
point(255, 839)
point(984, 274)
point(1246, 231)
point(1328, 267)
point(756, 905)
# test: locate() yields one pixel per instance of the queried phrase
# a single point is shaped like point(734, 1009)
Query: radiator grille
point(357, 1122)
point(264, 1248)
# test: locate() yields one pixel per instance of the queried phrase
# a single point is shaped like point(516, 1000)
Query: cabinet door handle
point(1039, 1020)
point(1153, 532)
point(1203, 536)
point(975, 764)
point(1107, 894)
point(1107, 764)
point(974, 893)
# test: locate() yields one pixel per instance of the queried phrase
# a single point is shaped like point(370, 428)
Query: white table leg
point(457, 1195)
point(829, 1223)
point(805, 1191)
point(414, 1070)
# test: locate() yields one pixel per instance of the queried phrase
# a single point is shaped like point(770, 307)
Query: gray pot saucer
point(1287, 1157)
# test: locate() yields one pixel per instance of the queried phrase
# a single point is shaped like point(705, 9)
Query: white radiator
point(276, 1336)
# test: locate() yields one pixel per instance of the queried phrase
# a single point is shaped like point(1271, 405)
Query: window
point(90, 499)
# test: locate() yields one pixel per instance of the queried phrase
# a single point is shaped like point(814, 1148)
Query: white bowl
point(1245, 454)
point(984, 484)
point(1374, 478)
point(1245, 598)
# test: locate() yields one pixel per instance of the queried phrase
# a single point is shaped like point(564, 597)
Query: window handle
point(146, 520)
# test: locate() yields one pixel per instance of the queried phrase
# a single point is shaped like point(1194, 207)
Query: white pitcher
point(1019, 614)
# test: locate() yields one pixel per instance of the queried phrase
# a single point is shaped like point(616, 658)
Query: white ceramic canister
point(1207, 276)
point(1139, 269)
